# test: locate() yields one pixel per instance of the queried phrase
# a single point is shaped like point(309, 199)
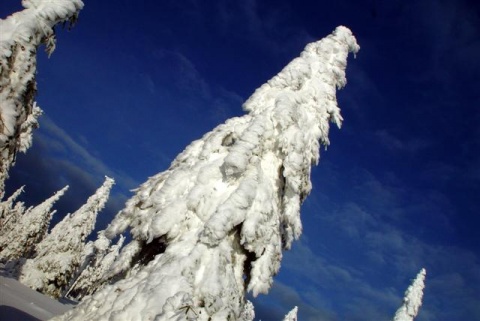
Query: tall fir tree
point(214, 225)
point(59, 255)
point(412, 300)
point(29, 230)
point(21, 34)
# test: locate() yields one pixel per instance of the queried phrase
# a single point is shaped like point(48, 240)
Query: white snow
point(21, 34)
point(60, 254)
point(95, 274)
point(412, 300)
point(29, 230)
point(214, 225)
point(292, 315)
point(18, 302)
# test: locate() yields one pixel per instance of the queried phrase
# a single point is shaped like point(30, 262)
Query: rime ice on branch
point(21, 34)
point(214, 225)
point(412, 300)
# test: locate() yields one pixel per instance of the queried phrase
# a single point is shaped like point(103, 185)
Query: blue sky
point(398, 189)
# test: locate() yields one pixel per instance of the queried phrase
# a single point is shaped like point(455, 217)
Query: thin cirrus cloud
point(56, 160)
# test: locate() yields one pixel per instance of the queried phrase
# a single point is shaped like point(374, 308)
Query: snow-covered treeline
point(58, 256)
point(29, 229)
point(21, 34)
point(214, 225)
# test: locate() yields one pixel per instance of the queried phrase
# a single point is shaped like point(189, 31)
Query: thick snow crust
point(214, 225)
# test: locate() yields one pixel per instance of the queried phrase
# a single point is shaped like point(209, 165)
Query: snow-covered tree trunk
point(95, 274)
point(30, 229)
point(412, 300)
point(21, 34)
point(59, 255)
point(214, 225)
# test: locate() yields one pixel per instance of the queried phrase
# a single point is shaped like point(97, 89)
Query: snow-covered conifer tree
point(9, 212)
point(21, 34)
point(29, 230)
point(412, 300)
point(95, 274)
point(59, 255)
point(214, 225)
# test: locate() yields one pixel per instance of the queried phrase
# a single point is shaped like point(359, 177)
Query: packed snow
point(20, 303)
point(214, 225)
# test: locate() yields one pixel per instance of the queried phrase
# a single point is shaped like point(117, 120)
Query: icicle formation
point(412, 300)
point(59, 255)
point(215, 223)
point(30, 229)
point(21, 34)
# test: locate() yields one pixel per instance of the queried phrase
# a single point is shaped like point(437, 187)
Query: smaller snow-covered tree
point(412, 300)
point(30, 229)
point(292, 315)
point(9, 214)
point(59, 255)
point(95, 274)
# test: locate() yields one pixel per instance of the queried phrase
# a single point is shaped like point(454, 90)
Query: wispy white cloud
point(73, 150)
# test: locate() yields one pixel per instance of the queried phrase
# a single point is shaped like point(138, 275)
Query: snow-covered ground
point(18, 302)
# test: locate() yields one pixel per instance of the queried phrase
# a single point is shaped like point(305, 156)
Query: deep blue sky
point(398, 189)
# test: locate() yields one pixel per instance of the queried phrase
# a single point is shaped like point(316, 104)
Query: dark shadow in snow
point(8, 313)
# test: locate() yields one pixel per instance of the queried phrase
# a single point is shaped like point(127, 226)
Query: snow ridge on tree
point(21, 34)
point(59, 255)
point(30, 229)
point(412, 300)
point(213, 226)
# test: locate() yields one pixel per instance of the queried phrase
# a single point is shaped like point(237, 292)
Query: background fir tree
point(59, 255)
point(96, 274)
point(29, 230)
point(10, 213)
point(214, 225)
